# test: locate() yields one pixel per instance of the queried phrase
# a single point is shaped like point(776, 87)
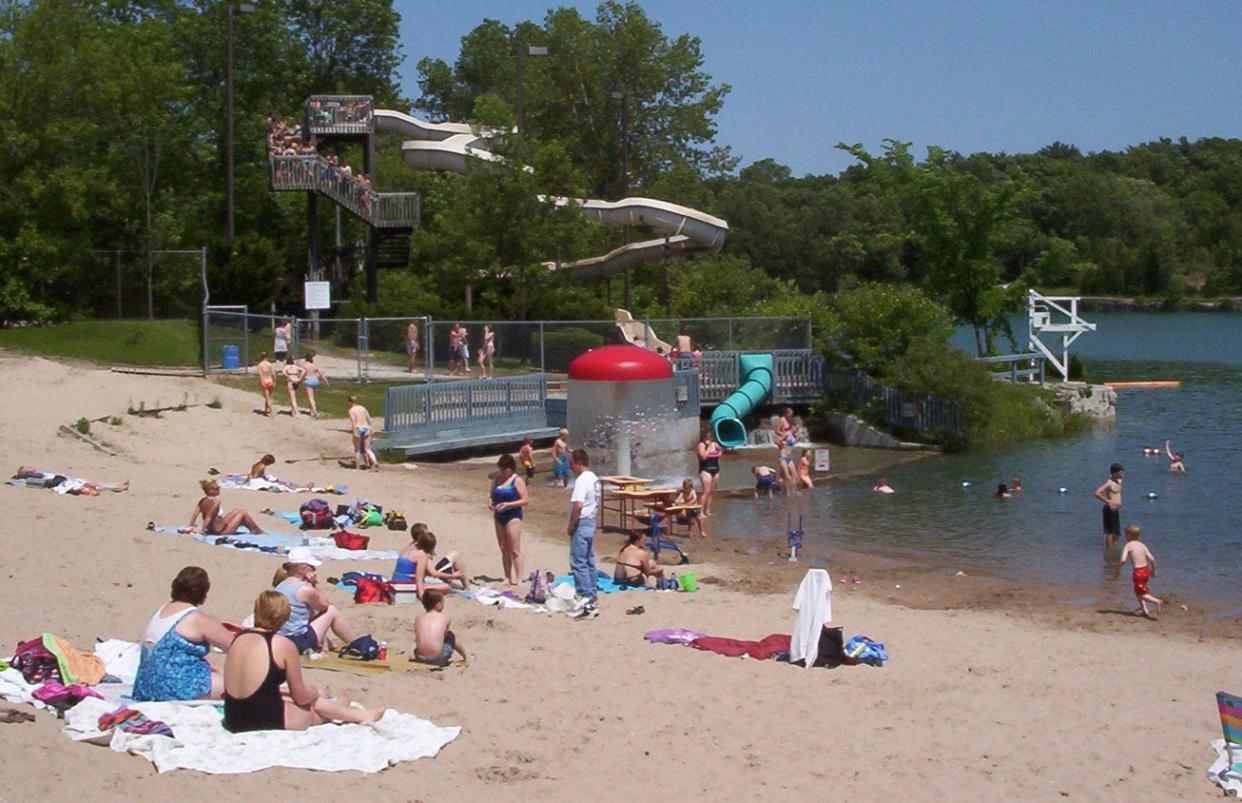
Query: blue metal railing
point(897, 408)
point(798, 375)
point(480, 405)
point(1028, 366)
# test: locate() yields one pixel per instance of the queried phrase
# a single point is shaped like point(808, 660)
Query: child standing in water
point(1144, 569)
point(804, 469)
point(527, 456)
point(1110, 494)
point(560, 459)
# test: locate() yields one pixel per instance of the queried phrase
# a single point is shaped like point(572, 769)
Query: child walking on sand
point(1144, 564)
point(527, 455)
point(434, 643)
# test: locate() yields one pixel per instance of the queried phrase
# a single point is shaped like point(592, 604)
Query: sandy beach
point(993, 691)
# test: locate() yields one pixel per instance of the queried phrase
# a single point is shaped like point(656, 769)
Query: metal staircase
point(390, 216)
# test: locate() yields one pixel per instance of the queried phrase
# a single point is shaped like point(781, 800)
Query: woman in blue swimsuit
point(506, 500)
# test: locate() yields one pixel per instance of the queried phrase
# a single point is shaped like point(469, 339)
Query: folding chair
point(1231, 724)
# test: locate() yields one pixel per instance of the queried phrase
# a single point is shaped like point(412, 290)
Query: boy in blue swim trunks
point(560, 459)
point(765, 479)
point(434, 643)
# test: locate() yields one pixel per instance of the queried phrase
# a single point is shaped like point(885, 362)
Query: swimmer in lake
point(1002, 491)
point(1176, 464)
point(882, 487)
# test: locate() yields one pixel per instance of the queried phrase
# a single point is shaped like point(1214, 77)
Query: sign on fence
point(822, 463)
point(318, 295)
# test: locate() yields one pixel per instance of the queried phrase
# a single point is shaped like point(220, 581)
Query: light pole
point(625, 176)
point(519, 54)
point(245, 8)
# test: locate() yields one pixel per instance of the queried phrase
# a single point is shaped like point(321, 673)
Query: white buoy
point(1062, 490)
point(965, 484)
point(1151, 494)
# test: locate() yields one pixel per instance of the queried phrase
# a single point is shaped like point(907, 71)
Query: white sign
point(822, 463)
point(318, 295)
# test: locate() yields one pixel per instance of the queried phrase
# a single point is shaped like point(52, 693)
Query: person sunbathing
point(173, 664)
point(69, 485)
point(214, 522)
point(259, 662)
point(312, 615)
point(634, 563)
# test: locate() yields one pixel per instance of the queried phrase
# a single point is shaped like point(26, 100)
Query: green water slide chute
point(755, 371)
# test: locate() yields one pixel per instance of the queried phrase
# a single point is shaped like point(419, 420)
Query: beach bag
point(36, 662)
point(316, 515)
point(367, 589)
point(831, 648)
point(373, 518)
point(539, 587)
point(346, 540)
point(395, 520)
point(364, 648)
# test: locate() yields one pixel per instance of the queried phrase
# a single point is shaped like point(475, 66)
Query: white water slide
point(446, 147)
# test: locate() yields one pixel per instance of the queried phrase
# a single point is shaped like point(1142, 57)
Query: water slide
point(447, 146)
point(755, 371)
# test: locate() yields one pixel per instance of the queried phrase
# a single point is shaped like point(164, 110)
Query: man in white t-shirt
point(583, 509)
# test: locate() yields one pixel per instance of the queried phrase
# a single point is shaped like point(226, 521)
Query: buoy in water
point(1151, 495)
point(965, 484)
point(1062, 490)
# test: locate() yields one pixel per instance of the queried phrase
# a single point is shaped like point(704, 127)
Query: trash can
point(231, 360)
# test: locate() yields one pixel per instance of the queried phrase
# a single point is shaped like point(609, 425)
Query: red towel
point(734, 648)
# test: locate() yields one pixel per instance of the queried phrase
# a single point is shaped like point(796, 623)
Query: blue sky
point(982, 76)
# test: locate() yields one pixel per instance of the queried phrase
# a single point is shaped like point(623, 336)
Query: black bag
point(831, 648)
point(363, 647)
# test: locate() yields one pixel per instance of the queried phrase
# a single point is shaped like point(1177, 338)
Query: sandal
point(11, 716)
point(637, 610)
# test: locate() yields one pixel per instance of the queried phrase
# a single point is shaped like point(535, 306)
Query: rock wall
point(850, 430)
point(1096, 401)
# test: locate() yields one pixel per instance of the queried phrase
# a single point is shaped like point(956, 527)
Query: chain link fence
point(418, 348)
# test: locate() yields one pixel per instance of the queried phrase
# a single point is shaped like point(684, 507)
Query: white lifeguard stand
point(1056, 315)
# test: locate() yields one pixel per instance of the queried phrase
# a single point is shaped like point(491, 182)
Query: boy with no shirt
point(434, 643)
point(360, 428)
point(1110, 494)
point(1144, 563)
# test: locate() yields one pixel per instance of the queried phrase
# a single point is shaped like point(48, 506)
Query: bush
point(876, 324)
point(560, 347)
point(1077, 371)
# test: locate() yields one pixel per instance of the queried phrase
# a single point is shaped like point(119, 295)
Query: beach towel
point(1220, 773)
point(281, 543)
point(603, 584)
point(75, 667)
point(395, 662)
point(201, 742)
point(759, 650)
point(673, 636)
point(813, 603)
point(242, 482)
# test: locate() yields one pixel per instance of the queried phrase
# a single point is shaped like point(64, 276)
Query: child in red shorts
point(1144, 569)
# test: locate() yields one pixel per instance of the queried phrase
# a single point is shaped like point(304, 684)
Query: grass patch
point(391, 456)
point(332, 401)
point(142, 343)
point(83, 426)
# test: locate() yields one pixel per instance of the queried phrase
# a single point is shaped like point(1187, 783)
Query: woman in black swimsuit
point(258, 662)
point(634, 563)
point(709, 468)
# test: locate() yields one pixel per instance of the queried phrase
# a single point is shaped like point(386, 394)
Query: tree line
point(113, 139)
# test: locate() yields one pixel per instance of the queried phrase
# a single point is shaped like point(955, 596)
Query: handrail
point(340, 114)
point(316, 174)
point(1033, 361)
point(450, 405)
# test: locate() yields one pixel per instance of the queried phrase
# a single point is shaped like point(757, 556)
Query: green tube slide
point(755, 371)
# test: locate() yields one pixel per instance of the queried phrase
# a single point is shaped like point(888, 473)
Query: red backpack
point(36, 662)
point(368, 590)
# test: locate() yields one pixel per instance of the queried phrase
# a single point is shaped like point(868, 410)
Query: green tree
point(875, 324)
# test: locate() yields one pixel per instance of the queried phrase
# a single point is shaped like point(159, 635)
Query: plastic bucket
point(231, 359)
point(688, 582)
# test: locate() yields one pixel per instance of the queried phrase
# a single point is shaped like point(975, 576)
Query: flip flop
point(10, 716)
point(637, 610)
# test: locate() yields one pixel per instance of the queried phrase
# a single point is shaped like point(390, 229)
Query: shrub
point(560, 347)
point(83, 426)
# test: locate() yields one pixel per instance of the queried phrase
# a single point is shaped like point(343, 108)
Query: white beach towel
point(1229, 781)
point(201, 742)
point(813, 602)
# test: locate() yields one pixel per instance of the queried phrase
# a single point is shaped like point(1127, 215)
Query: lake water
point(1194, 525)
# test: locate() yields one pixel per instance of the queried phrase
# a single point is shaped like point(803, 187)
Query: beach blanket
point(759, 650)
point(70, 485)
point(1220, 773)
point(281, 543)
point(671, 635)
point(395, 662)
point(201, 742)
point(241, 482)
point(603, 584)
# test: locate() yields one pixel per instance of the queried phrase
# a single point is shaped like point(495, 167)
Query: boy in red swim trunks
point(267, 381)
point(1144, 569)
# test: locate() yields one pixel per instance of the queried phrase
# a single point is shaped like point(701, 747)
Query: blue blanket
point(603, 583)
